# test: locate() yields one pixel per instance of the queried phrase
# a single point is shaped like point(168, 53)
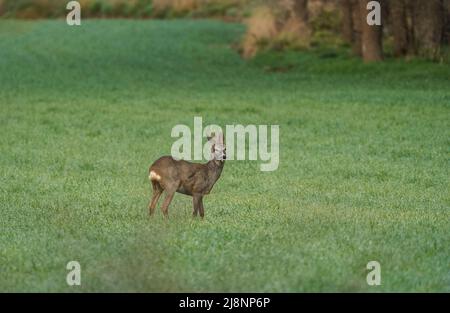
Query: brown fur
point(193, 179)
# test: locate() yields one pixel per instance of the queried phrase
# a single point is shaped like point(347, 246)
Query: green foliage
point(32, 8)
point(141, 9)
point(326, 29)
point(95, 8)
point(90, 8)
point(123, 8)
point(329, 20)
point(227, 8)
point(84, 111)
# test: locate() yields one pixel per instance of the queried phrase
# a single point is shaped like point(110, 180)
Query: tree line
point(411, 27)
point(417, 27)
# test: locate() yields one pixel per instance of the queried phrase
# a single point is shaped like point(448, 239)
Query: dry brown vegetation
point(281, 25)
point(262, 28)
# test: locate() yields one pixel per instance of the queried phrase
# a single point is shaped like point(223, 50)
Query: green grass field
point(363, 175)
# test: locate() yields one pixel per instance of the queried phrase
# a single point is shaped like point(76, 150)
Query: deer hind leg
point(157, 191)
point(165, 206)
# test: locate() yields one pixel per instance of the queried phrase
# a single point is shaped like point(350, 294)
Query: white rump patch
point(154, 176)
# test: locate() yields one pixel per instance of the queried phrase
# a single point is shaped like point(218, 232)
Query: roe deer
point(188, 178)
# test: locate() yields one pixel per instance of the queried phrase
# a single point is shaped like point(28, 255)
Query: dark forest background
point(410, 28)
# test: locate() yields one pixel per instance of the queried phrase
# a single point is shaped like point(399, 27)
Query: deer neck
point(214, 169)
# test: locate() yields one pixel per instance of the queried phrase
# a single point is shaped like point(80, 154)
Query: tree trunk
point(399, 27)
point(347, 21)
point(356, 23)
point(300, 8)
point(371, 35)
point(447, 22)
point(446, 37)
point(428, 27)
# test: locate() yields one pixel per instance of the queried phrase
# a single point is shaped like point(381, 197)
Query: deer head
point(218, 148)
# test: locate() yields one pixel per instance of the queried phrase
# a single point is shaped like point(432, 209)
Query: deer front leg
point(165, 206)
point(196, 201)
point(202, 209)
